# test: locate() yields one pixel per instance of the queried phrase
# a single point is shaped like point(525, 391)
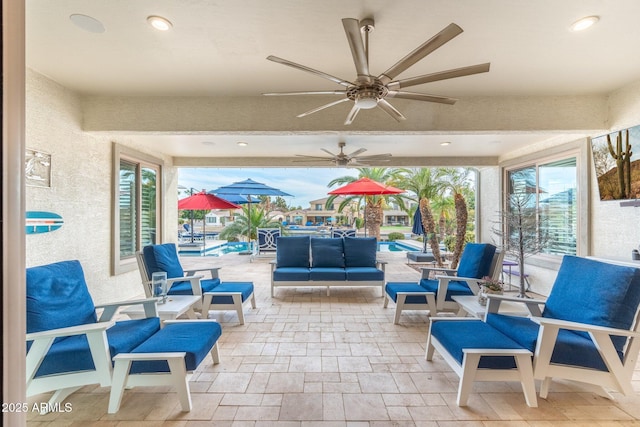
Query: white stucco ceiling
point(219, 48)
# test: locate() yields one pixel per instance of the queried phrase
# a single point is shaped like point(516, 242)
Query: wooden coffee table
point(175, 306)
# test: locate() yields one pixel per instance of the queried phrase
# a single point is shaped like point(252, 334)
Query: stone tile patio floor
point(305, 359)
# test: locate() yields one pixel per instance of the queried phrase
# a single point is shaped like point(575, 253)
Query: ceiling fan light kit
point(369, 91)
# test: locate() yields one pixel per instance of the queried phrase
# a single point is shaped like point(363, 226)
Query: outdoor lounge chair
point(267, 238)
point(216, 295)
point(343, 232)
point(588, 330)
point(477, 260)
point(69, 347)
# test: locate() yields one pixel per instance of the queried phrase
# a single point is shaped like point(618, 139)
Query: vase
point(159, 285)
point(482, 295)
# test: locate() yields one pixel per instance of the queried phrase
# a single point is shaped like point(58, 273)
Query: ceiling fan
point(342, 159)
point(369, 91)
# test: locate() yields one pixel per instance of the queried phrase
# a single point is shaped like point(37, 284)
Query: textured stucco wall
point(80, 190)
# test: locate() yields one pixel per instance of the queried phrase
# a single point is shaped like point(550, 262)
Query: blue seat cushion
point(292, 251)
point(162, 258)
point(360, 251)
point(245, 288)
point(194, 338)
point(184, 288)
point(455, 288)
point(456, 335)
point(475, 260)
point(72, 354)
point(364, 273)
point(290, 274)
point(571, 348)
point(58, 297)
point(392, 289)
point(327, 253)
point(320, 273)
point(596, 293)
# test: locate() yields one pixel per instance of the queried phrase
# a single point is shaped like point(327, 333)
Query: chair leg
point(386, 301)
point(253, 300)
point(544, 387)
point(118, 383)
point(237, 302)
point(523, 362)
point(400, 299)
point(469, 367)
point(180, 382)
point(58, 397)
point(215, 354)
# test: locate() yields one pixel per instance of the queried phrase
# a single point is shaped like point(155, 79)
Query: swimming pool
point(394, 247)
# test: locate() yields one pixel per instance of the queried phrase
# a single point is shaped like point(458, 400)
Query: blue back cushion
point(327, 253)
point(360, 251)
point(57, 297)
point(475, 261)
point(163, 258)
point(292, 251)
point(594, 292)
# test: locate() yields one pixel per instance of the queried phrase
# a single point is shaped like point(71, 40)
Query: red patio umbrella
point(204, 201)
point(365, 187)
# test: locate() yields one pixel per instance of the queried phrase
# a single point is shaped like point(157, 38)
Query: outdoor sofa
point(348, 261)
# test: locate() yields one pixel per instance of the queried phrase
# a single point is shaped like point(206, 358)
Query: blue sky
point(304, 184)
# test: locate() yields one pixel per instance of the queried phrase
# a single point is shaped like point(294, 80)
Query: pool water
point(227, 248)
point(394, 247)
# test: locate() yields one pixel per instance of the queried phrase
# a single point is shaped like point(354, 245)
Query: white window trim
point(120, 152)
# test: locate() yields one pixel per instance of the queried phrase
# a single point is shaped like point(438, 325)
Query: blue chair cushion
point(475, 260)
point(290, 274)
point(57, 297)
point(320, 273)
point(292, 251)
point(195, 338)
point(184, 288)
point(392, 289)
point(72, 354)
point(245, 288)
point(594, 292)
point(360, 251)
point(162, 258)
point(455, 288)
point(364, 273)
point(327, 253)
point(571, 348)
point(455, 335)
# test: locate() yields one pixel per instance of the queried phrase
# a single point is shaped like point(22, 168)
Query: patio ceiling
point(201, 82)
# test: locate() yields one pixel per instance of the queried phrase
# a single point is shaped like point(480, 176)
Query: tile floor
point(305, 359)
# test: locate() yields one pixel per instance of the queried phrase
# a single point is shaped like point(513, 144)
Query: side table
point(175, 306)
point(469, 305)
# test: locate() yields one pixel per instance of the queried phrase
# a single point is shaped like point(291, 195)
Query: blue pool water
point(394, 247)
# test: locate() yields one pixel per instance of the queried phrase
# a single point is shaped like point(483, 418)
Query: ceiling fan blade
point(352, 29)
point(375, 157)
point(352, 115)
point(391, 110)
point(421, 97)
point(315, 92)
point(441, 75)
point(322, 107)
point(328, 152)
point(357, 152)
point(310, 70)
point(451, 31)
point(314, 157)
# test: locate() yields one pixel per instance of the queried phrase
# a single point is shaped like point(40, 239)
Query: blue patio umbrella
point(418, 228)
point(237, 198)
point(248, 188)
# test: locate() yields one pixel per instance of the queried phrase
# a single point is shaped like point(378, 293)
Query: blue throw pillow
point(292, 251)
point(475, 261)
point(327, 253)
point(360, 251)
point(57, 297)
point(163, 258)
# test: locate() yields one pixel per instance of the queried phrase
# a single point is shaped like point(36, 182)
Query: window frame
point(580, 150)
point(120, 264)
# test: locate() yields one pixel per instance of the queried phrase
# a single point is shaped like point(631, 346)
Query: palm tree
point(426, 184)
point(443, 207)
point(258, 219)
point(458, 183)
point(373, 205)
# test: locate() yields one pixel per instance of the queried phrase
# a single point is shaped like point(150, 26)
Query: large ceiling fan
point(343, 159)
point(369, 91)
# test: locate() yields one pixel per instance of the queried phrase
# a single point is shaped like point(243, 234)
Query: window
point(547, 191)
point(318, 206)
point(136, 205)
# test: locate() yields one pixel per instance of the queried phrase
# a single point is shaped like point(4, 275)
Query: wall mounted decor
point(37, 168)
point(616, 157)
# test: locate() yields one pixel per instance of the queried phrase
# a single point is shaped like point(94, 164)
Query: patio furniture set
point(587, 330)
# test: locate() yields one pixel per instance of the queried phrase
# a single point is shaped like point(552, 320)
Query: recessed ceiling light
point(87, 23)
point(584, 23)
point(159, 23)
point(445, 143)
point(242, 143)
point(208, 143)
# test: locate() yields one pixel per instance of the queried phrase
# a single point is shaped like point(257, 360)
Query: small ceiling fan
point(342, 159)
point(369, 91)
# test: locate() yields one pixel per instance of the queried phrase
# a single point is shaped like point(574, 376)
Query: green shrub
point(395, 236)
point(450, 240)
